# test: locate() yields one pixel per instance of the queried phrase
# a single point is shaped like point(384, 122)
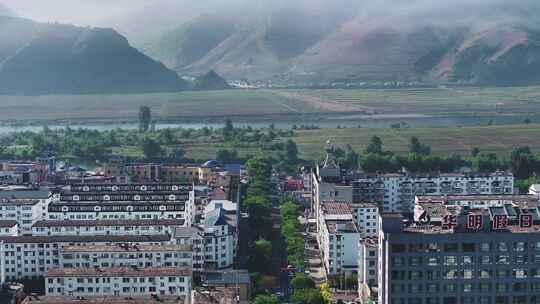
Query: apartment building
point(123, 201)
point(9, 228)
point(366, 217)
point(220, 238)
point(118, 281)
point(461, 253)
point(24, 257)
point(367, 266)
point(338, 238)
point(107, 227)
point(396, 192)
point(126, 255)
point(25, 212)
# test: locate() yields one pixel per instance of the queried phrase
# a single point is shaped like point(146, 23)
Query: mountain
point(38, 58)
point(475, 41)
point(211, 81)
point(6, 11)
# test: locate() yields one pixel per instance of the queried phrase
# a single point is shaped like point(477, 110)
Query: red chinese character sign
point(500, 222)
point(525, 221)
point(449, 221)
point(475, 222)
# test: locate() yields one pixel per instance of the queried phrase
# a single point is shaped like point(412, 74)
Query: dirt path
point(324, 105)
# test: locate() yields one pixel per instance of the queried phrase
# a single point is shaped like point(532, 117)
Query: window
point(468, 247)
point(486, 260)
point(503, 260)
point(519, 273)
point(502, 246)
point(468, 274)
point(398, 248)
point(468, 260)
point(450, 261)
point(467, 287)
point(450, 247)
point(485, 274)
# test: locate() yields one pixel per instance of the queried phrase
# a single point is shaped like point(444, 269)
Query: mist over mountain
point(43, 58)
point(6, 11)
point(473, 41)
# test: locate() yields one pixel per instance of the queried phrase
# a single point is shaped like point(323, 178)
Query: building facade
point(462, 254)
point(25, 212)
point(118, 281)
point(396, 192)
point(107, 227)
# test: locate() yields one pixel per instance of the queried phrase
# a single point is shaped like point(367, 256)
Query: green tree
point(261, 258)
point(292, 151)
point(307, 296)
point(302, 281)
point(487, 162)
point(145, 117)
point(151, 148)
point(167, 136)
point(418, 148)
point(226, 156)
point(351, 158)
point(228, 130)
point(374, 146)
point(523, 162)
point(176, 154)
point(265, 299)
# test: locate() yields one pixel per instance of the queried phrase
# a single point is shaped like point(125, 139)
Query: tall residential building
point(25, 212)
point(338, 238)
point(396, 192)
point(462, 253)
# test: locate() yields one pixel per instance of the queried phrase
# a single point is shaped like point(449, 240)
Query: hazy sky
point(81, 12)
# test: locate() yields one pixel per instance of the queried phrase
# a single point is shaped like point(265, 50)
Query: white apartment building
point(396, 192)
point(220, 238)
point(338, 239)
point(367, 265)
point(24, 211)
point(9, 228)
point(107, 227)
point(23, 257)
point(366, 217)
point(126, 255)
point(123, 201)
point(122, 281)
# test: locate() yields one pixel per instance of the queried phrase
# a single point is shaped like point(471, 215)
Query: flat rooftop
point(113, 222)
point(490, 197)
point(341, 226)
point(104, 300)
point(128, 248)
point(118, 272)
point(85, 239)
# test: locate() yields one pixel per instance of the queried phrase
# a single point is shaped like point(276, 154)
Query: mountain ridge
point(45, 58)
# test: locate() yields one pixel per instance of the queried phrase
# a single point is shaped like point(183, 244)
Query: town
point(245, 233)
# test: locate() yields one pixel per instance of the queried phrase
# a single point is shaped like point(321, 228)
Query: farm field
point(443, 141)
point(436, 101)
point(280, 105)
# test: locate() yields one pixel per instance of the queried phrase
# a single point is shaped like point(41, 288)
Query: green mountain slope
point(38, 58)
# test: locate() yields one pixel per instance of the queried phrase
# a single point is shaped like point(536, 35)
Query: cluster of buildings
point(137, 242)
point(428, 239)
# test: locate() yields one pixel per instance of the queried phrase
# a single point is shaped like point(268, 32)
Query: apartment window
point(486, 260)
point(519, 273)
point(432, 288)
point(484, 287)
point(432, 275)
point(484, 274)
point(468, 247)
point(450, 261)
point(502, 246)
point(415, 261)
point(451, 274)
point(501, 273)
point(398, 261)
point(503, 260)
point(450, 247)
point(396, 248)
point(468, 260)
point(520, 246)
point(501, 287)
point(433, 261)
point(467, 287)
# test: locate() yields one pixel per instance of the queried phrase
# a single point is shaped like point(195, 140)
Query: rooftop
point(337, 208)
point(85, 239)
point(104, 300)
point(114, 222)
point(127, 248)
point(226, 277)
point(494, 197)
point(7, 223)
point(119, 272)
point(339, 226)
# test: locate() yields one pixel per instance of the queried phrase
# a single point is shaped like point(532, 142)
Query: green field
point(443, 141)
point(252, 105)
point(437, 101)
